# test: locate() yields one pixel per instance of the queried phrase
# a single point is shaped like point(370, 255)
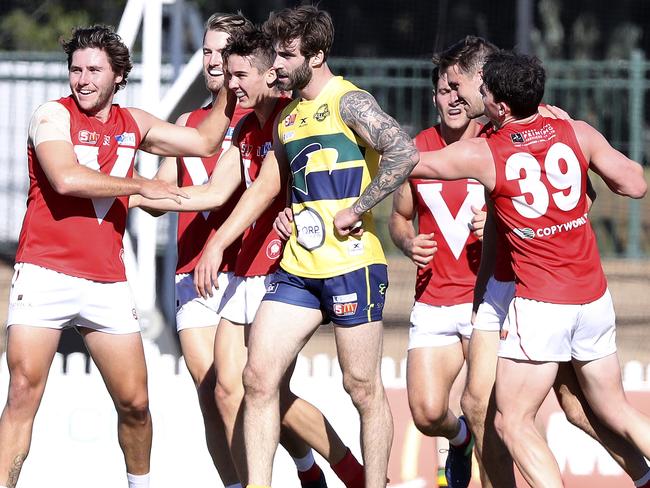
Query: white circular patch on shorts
point(311, 229)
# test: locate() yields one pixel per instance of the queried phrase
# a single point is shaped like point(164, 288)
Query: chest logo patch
point(322, 113)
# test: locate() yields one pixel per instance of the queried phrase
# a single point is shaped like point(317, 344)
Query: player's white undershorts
point(540, 331)
point(41, 297)
point(243, 297)
point(493, 309)
point(192, 310)
point(435, 326)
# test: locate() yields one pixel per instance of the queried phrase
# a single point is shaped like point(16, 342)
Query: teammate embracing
point(538, 181)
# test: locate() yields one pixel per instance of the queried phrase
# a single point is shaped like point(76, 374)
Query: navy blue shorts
point(349, 299)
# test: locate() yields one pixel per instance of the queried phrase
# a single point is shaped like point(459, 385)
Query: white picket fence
point(75, 440)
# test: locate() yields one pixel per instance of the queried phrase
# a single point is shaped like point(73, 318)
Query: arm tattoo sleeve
point(399, 156)
point(14, 470)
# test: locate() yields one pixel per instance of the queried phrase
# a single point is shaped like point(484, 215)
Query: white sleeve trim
point(50, 122)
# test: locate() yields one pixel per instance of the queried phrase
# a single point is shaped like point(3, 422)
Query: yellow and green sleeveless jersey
point(330, 167)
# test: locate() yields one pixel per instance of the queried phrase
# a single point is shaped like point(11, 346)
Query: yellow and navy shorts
point(352, 298)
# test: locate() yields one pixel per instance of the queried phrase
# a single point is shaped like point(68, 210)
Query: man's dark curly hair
point(516, 79)
point(105, 38)
point(313, 27)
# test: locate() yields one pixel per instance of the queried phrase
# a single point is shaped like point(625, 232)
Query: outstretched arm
point(49, 134)
point(224, 181)
point(621, 174)
point(420, 248)
point(360, 111)
point(467, 158)
point(167, 172)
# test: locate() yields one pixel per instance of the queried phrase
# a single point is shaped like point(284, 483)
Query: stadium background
point(594, 52)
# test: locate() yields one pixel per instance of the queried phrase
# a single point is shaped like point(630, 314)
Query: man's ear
point(270, 76)
point(317, 59)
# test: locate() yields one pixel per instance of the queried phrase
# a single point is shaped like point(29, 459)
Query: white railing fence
point(75, 440)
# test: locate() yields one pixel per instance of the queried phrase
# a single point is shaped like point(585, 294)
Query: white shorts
point(41, 297)
point(192, 310)
point(435, 326)
point(540, 331)
point(242, 298)
point(493, 309)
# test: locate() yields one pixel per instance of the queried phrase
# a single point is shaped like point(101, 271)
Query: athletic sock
point(463, 437)
point(304, 463)
point(350, 471)
point(643, 482)
point(312, 474)
point(138, 480)
point(236, 485)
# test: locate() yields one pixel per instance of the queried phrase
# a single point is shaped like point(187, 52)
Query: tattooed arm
point(360, 111)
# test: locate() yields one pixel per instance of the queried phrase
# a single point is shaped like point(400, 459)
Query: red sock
point(349, 471)
point(312, 474)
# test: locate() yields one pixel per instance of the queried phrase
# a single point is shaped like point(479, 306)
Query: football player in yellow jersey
point(333, 269)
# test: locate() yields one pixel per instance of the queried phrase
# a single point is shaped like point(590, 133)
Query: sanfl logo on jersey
point(87, 137)
point(289, 120)
point(126, 139)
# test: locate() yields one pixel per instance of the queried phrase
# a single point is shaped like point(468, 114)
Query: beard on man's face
point(296, 79)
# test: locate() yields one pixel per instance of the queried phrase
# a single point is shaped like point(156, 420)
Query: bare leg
point(309, 423)
point(428, 394)
point(521, 387)
point(197, 345)
point(360, 350)
point(230, 358)
point(479, 406)
point(30, 351)
point(601, 383)
point(580, 414)
point(303, 425)
point(120, 360)
point(277, 335)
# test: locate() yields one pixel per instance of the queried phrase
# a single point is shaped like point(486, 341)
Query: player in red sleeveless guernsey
point(441, 317)
point(69, 269)
point(537, 181)
point(197, 318)
point(463, 62)
point(249, 58)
